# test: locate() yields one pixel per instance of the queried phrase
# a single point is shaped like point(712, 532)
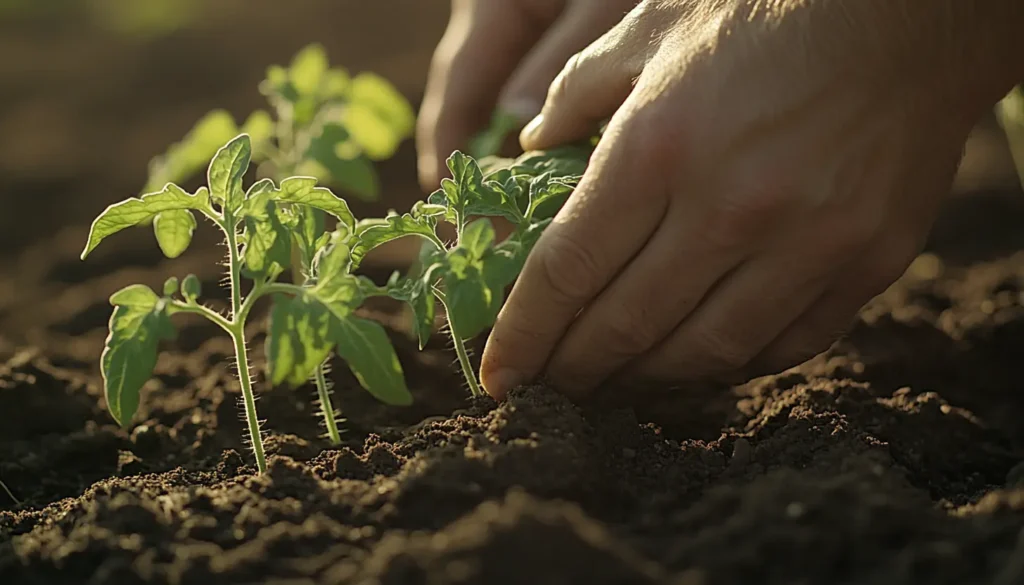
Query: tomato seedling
point(260, 226)
point(322, 123)
point(468, 277)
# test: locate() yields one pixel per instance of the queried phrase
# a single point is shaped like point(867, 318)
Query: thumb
point(592, 84)
point(581, 24)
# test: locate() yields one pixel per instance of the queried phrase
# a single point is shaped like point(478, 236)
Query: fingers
point(832, 314)
point(591, 85)
point(590, 240)
point(637, 311)
point(481, 47)
point(739, 318)
point(581, 24)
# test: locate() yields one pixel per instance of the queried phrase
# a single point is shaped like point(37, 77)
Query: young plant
point(323, 123)
point(260, 225)
point(468, 277)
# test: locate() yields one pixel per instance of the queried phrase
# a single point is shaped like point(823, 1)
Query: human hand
point(500, 53)
point(769, 167)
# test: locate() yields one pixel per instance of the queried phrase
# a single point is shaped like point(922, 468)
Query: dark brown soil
point(894, 458)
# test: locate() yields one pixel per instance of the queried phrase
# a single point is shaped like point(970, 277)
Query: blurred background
point(91, 90)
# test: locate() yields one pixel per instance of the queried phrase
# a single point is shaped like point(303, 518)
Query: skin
point(769, 166)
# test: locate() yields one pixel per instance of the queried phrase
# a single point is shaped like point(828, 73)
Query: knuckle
point(569, 268)
point(734, 221)
point(561, 87)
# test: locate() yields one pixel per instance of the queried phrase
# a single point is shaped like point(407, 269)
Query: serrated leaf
point(377, 232)
point(343, 162)
point(547, 196)
point(466, 175)
point(135, 211)
point(308, 68)
point(299, 339)
point(304, 191)
point(187, 157)
point(365, 346)
point(174, 231)
point(138, 296)
point(226, 171)
point(129, 355)
point(562, 161)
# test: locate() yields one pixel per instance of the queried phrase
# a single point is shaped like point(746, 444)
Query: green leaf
point(365, 346)
point(170, 286)
point(304, 191)
point(267, 243)
point(308, 68)
point(335, 85)
point(475, 277)
point(309, 233)
point(187, 157)
point(378, 116)
point(418, 294)
point(341, 295)
point(277, 86)
point(226, 171)
point(260, 128)
point(377, 232)
point(299, 339)
point(477, 237)
point(562, 161)
point(473, 302)
point(191, 288)
point(135, 211)
point(130, 354)
point(174, 230)
point(547, 196)
point(137, 296)
point(340, 160)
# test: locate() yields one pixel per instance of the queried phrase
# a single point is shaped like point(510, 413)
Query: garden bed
point(891, 459)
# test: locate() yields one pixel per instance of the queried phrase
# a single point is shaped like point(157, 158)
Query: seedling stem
point(9, 494)
point(325, 405)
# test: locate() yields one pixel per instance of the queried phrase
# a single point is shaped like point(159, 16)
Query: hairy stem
point(238, 336)
point(460, 349)
point(9, 494)
point(325, 405)
point(250, 400)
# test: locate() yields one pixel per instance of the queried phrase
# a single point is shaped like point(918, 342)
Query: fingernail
point(529, 133)
point(501, 382)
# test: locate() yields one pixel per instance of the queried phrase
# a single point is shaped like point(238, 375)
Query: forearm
point(971, 50)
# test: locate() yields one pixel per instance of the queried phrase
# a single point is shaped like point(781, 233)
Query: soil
point(896, 457)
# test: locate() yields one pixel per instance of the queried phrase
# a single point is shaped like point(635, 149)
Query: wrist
point(966, 52)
